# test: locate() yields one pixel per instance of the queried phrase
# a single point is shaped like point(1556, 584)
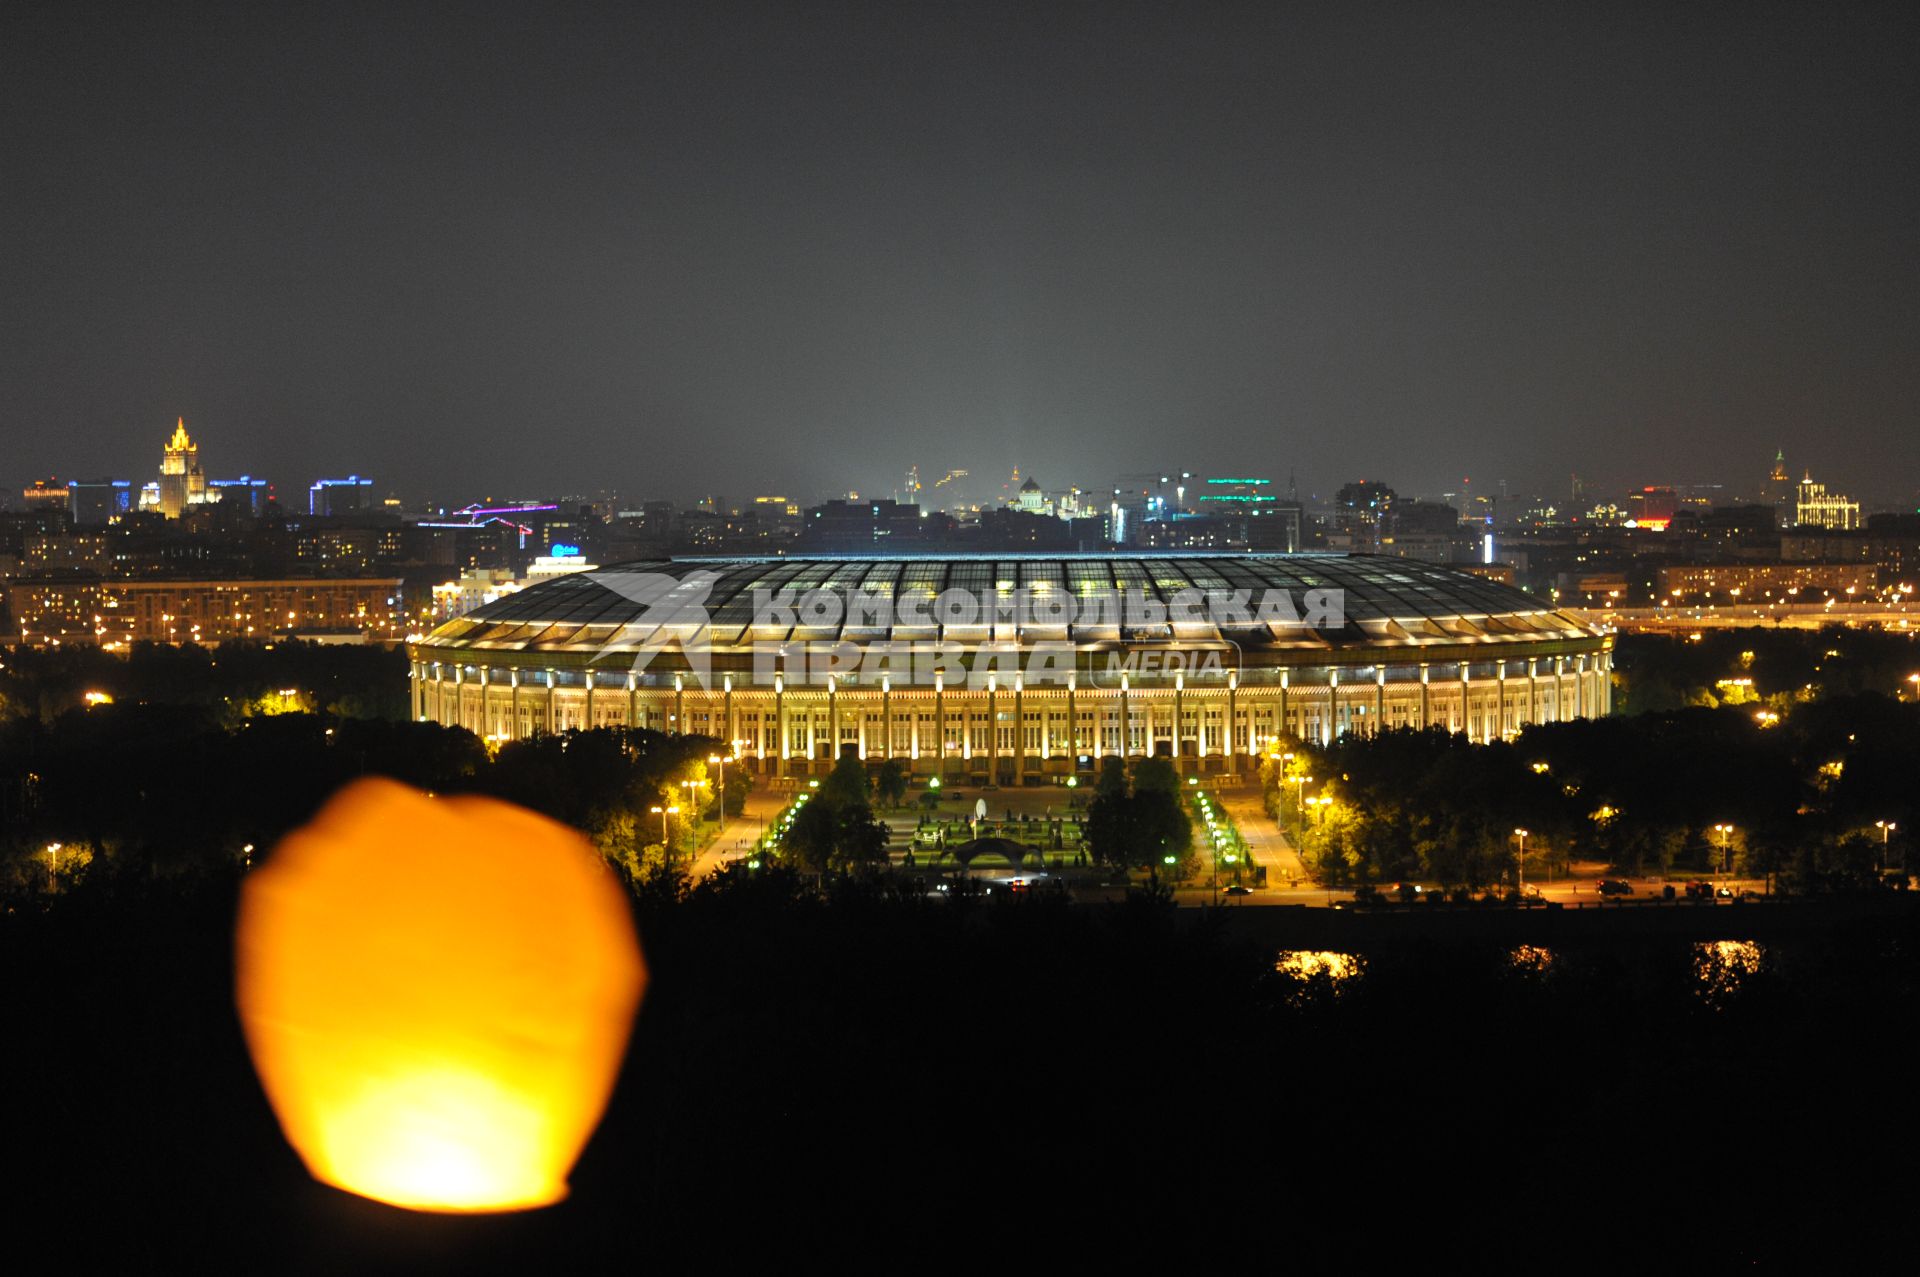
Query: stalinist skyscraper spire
point(182, 481)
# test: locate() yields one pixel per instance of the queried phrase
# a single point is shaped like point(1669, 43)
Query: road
point(737, 837)
point(1267, 844)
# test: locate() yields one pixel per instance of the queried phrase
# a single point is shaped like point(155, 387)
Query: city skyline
point(1575, 499)
point(749, 251)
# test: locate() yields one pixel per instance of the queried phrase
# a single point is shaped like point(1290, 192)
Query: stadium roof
point(1386, 601)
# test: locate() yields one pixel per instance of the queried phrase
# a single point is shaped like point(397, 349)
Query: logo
point(673, 617)
point(960, 638)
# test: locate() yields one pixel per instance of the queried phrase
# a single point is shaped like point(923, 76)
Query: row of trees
point(233, 681)
point(1772, 667)
point(1821, 796)
point(835, 830)
point(164, 787)
point(1137, 819)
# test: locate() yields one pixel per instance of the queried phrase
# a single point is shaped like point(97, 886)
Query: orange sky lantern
point(437, 993)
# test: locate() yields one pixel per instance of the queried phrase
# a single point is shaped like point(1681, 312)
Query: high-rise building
point(339, 496)
point(245, 491)
point(97, 502)
point(1653, 507)
point(182, 481)
point(1815, 507)
point(861, 525)
point(45, 494)
point(1138, 499)
point(1266, 521)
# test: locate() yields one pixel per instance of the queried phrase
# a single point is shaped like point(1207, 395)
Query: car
point(1615, 887)
point(1236, 889)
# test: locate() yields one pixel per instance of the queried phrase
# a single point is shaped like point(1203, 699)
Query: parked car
point(1237, 889)
point(1615, 887)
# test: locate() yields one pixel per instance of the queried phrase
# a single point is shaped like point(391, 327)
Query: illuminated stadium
point(1012, 669)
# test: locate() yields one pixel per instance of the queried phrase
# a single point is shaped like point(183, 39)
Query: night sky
point(794, 248)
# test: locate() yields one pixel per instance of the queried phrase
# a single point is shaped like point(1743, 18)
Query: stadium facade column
point(1233, 723)
point(1533, 691)
point(1500, 722)
point(1020, 730)
point(833, 723)
point(1466, 721)
point(1126, 720)
point(886, 716)
point(1286, 728)
point(1380, 701)
point(780, 718)
point(940, 721)
point(1331, 728)
point(729, 746)
point(513, 700)
point(1426, 696)
point(1073, 724)
point(1179, 719)
point(993, 729)
point(589, 677)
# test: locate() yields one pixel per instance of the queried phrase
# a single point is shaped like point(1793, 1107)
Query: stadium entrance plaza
point(1241, 798)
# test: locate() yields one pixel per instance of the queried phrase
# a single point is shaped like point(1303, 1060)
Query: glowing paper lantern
point(437, 993)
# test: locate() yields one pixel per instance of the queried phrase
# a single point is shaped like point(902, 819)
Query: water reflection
point(1532, 959)
point(1722, 967)
point(1336, 968)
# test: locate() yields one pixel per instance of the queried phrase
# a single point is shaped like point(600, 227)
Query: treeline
point(234, 681)
point(161, 788)
point(1819, 796)
point(1775, 668)
point(1137, 819)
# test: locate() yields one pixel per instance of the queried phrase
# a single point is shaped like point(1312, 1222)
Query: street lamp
point(1726, 849)
point(1300, 791)
point(53, 863)
point(666, 848)
point(1886, 828)
point(720, 760)
point(1520, 863)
